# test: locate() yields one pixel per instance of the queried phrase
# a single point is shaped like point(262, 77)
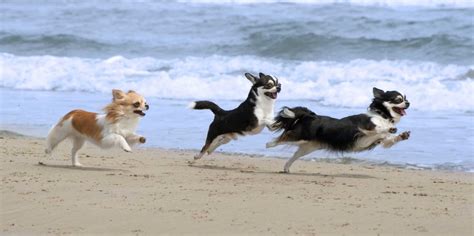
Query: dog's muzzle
point(401, 111)
point(272, 95)
point(139, 112)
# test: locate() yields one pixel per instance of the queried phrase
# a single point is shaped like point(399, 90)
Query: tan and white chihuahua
point(114, 128)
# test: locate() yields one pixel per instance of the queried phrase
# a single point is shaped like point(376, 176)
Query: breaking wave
point(428, 85)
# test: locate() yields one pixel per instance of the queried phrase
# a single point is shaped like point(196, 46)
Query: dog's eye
point(398, 100)
point(137, 104)
point(269, 85)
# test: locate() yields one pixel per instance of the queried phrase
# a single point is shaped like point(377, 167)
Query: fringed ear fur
point(251, 78)
point(117, 94)
point(378, 93)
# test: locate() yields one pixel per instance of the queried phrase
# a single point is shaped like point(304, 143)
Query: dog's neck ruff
point(381, 114)
point(381, 110)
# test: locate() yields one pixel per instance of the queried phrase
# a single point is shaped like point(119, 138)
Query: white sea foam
point(380, 3)
point(428, 86)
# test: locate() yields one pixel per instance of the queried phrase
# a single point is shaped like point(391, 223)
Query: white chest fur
point(264, 108)
point(124, 127)
point(382, 125)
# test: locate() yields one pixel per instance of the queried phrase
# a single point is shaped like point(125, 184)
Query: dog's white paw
point(77, 164)
point(127, 149)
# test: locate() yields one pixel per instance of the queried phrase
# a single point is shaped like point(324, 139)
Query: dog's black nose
point(278, 88)
point(147, 107)
point(407, 104)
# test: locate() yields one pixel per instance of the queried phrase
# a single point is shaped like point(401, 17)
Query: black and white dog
point(250, 117)
point(310, 132)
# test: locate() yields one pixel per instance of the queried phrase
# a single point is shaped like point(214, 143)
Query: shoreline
point(156, 191)
point(447, 167)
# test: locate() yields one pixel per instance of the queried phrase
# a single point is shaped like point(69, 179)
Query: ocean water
point(60, 55)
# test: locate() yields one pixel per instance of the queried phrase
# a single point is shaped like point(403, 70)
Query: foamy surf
point(340, 84)
point(377, 3)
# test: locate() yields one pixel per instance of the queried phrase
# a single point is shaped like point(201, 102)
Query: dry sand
point(154, 191)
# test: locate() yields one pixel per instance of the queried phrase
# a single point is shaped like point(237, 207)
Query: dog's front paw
point(142, 139)
point(272, 127)
point(127, 149)
point(405, 135)
point(392, 130)
point(271, 144)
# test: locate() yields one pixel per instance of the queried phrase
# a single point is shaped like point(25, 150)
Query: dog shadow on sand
point(80, 168)
point(256, 171)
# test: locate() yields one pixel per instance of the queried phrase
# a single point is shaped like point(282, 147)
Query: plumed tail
point(201, 105)
point(287, 118)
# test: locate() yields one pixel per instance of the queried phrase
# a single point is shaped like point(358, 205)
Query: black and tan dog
point(250, 117)
point(310, 132)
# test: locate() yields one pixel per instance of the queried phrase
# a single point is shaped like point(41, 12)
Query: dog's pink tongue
point(403, 112)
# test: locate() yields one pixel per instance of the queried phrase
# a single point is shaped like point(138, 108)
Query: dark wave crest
point(56, 44)
point(310, 46)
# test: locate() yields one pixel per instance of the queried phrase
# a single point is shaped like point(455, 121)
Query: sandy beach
point(155, 191)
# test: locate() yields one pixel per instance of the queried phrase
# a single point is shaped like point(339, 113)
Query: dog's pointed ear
point(252, 78)
point(261, 75)
point(117, 94)
point(378, 93)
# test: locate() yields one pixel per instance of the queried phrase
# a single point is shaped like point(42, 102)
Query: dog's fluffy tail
point(289, 117)
point(200, 105)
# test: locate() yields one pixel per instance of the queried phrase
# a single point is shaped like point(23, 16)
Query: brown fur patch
point(85, 123)
point(66, 117)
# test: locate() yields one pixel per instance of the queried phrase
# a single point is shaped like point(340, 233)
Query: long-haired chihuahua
point(116, 127)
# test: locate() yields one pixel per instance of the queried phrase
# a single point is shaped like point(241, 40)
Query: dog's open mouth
point(271, 95)
point(399, 110)
point(139, 112)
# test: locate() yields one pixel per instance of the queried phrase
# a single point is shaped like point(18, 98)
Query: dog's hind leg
point(57, 134)
point(77, 144)
point(203, 150)
point(211, 139)
point(220, 140)
point(303, 149)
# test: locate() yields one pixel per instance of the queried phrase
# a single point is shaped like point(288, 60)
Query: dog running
point(249, 118)
point(356, 133)
point(114, 128)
